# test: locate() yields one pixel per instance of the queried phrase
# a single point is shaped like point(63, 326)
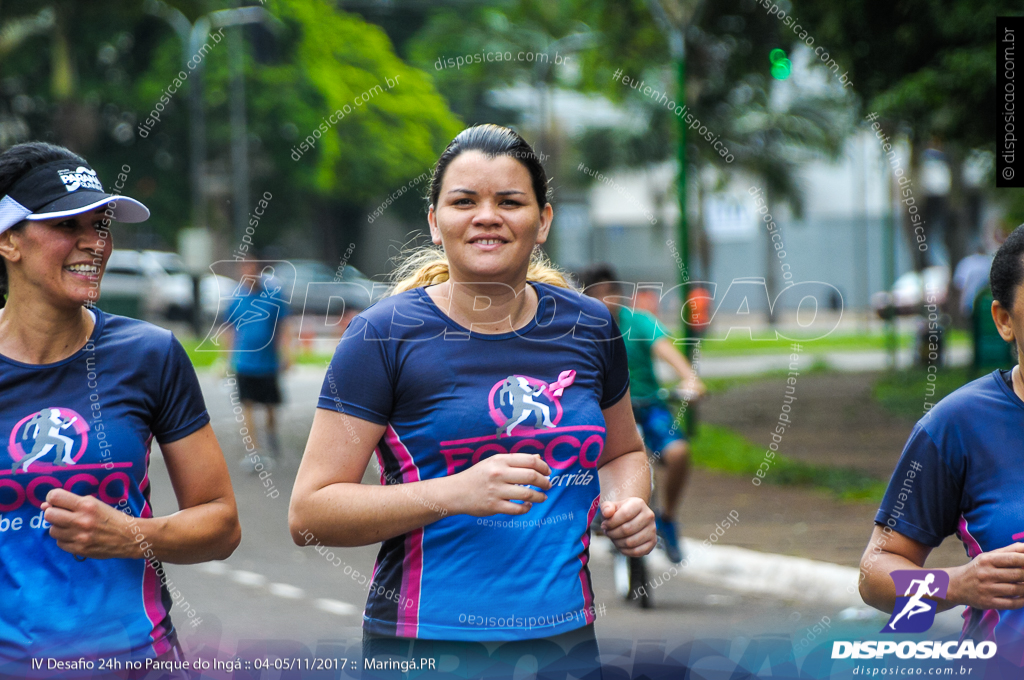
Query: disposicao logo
point(913, 613)
point(908, 649)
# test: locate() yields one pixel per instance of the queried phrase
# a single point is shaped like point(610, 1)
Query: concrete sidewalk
point(749, 572)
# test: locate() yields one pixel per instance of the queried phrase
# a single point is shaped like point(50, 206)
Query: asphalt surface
point(273, 597)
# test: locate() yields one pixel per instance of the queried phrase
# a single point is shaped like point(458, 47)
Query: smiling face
point(60, 260)
point(488, 219)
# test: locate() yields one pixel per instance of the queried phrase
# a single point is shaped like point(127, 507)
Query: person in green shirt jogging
point(645, 339)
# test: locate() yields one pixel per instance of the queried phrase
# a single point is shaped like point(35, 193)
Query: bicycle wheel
point(638, 581)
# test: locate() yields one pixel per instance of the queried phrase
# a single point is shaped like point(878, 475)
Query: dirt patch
point(835, 423)
point(788, 520)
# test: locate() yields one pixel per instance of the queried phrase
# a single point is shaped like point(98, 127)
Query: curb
point(756, 573)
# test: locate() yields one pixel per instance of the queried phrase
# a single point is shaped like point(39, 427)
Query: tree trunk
point(337, 224)
point(918, 256)
point(701, 235)
point(75, 123)
point(958, 226)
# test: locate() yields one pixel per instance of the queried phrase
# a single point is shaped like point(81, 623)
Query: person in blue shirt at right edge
point(961, 473)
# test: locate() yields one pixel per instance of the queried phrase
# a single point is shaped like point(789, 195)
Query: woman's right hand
point(992, 580)
point(490, 486)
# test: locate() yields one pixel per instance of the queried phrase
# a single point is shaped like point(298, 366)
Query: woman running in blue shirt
point(84, 393)
point(961, 473)
point(497, 401)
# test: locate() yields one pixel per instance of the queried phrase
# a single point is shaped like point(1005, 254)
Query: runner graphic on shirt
point(520, 396)
point(51, 420)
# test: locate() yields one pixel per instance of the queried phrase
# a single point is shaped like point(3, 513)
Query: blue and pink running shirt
point(961, 473)
point(86, 424)
point(451, 398)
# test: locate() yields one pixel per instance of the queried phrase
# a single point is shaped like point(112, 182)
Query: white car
point(171, 295)
point(148, 285)
point(912, 290)
point(215, 291)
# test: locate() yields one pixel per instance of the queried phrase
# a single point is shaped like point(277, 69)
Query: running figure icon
point(520, 397)
point(914, 604)
point(48, 418)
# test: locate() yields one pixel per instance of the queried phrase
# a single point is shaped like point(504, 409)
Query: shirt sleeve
point(283, 306)
point(647, 326)
point(181, 409)
point(616, 367)
point(359, 379)
point(923, 499)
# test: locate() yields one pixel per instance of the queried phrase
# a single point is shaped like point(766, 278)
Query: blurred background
point(302, 131)
point(787, 104)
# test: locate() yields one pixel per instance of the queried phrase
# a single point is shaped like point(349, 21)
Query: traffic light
point(781, 65)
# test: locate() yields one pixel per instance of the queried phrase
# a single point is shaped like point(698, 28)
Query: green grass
point(742, 344)
point(723, 450)
point(716, 385)
point(200, 359)
point(208, 359)
point(313, 359)
point(904, 393)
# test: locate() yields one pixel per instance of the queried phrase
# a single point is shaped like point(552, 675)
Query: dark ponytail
point(15, 162)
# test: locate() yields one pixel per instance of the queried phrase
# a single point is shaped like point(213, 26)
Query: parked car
point(315, 285)
point(150, 285)
point(125, 287)
point(911, 291)
point(171, 293)
point(214, 291)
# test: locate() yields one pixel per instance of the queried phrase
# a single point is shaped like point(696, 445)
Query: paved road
point(272, 590)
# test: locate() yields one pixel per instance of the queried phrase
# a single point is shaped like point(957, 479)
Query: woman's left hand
point(630, 525)
point(87, 527)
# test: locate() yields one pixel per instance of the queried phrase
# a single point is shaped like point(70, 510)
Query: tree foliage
point(91, 78)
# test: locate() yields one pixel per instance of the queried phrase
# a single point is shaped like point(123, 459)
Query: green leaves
point(121, 61)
